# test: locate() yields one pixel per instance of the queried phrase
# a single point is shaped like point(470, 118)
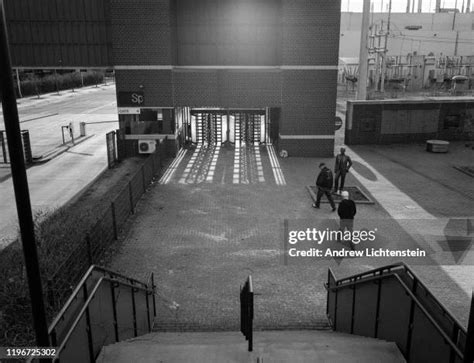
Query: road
point(54, 183)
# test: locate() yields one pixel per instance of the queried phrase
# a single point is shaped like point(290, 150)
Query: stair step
point(271, 346)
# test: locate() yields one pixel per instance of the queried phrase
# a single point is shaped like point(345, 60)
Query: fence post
point(410, 321)
point(89, 249)
point(50, 294)
point(132, 209)
point(4, 149)
point(114, 220)
point(153, 160)
point(134, 310)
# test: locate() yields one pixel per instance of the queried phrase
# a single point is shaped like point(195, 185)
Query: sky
point(399, 6)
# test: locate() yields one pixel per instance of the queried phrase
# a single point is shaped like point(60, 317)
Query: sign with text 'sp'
point(130, 99)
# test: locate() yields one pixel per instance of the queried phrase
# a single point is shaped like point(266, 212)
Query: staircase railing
point(104, 308)
point(392, 303)
point(246, 312)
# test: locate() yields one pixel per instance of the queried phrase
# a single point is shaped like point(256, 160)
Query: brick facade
point(204, 53)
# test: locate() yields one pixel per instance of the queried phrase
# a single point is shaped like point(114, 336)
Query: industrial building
point(214, 71)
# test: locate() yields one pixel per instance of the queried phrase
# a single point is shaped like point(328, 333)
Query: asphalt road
point(54, 183)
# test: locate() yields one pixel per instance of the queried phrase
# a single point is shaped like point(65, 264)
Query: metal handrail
point(86, 306)
point(414, 276)
point(246, 312)
point(79, 317)
point(79, 287)
point(413, 297)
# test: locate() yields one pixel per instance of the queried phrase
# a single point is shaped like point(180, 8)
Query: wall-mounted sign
point(130, 99)
point(128, 110)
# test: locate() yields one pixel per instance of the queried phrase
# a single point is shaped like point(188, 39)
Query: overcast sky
point(399, 5)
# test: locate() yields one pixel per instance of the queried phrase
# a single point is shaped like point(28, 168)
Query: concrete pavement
point(269, 346)
point(56, 182)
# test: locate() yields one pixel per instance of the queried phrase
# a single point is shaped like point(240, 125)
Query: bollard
point(82, 128)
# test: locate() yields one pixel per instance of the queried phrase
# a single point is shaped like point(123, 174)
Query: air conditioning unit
point(146, 146)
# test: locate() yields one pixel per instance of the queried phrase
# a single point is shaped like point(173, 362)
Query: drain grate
point(355, 193)
point(469, 170)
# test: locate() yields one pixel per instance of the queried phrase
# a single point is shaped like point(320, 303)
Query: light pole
point(20, 185)
point(364, 54)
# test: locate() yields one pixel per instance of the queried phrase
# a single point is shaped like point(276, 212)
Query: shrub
point(34, 85)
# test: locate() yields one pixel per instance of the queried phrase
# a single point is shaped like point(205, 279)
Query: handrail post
point(134, 309)
point(153, 288)
point(250, 317)
point(410, 321)
point(114, 310)
point(377, 311)
point(469, 349)
point(329, 291)
point(147, 309)
point(89, 327)
point(354, 287)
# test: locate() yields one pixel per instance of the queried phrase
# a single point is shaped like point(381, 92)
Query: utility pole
point(408, 6)
point(454, 15)
point(18, 83)
point(363, 53)
point(456, 44)
point(20, 186)
point(384, 61)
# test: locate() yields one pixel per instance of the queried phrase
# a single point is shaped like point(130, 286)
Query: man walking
point(343, 164)
point(346, 211)
point(324, 185)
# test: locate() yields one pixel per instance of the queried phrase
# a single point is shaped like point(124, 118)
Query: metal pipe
point(20, 186)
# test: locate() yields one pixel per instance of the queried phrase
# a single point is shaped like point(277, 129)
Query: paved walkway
point(202, 236)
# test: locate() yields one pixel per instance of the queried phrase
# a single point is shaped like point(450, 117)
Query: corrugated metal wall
point(58, 33)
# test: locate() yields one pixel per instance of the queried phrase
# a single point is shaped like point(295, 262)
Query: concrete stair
point(269, 346)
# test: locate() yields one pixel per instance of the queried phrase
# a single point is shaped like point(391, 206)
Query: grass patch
point(58, 233)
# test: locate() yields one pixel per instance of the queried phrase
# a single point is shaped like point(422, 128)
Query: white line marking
point(277, 172)
point(190, 165)
point(166, 177)
point(210, 174)
point(258, 159)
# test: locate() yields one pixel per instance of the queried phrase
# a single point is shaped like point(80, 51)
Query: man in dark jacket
point(324, 185)
point(342, 166)
point(346, 211)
